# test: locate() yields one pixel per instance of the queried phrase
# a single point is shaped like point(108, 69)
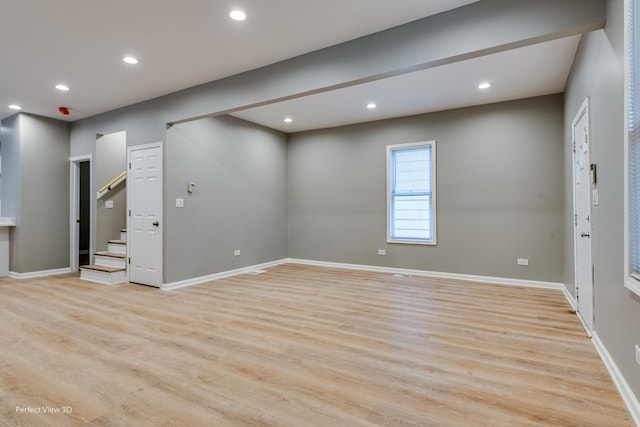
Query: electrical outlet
point(523, 261)
point(382, 252)
point(108, 204)
point(638, 354)
point(236, 252)
point(179, 203)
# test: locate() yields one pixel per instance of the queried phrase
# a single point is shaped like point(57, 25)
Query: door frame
point(74, 191)
point(160, 145)
point(582, 111)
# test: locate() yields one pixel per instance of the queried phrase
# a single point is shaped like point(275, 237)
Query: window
point(411, 193)
point(633, 147)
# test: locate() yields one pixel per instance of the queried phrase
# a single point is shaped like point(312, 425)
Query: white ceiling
point(539, 69)
point(179, 44)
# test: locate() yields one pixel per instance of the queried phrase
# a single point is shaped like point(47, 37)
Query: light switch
point(108, 204)
point(595, 197)
point(179, 203)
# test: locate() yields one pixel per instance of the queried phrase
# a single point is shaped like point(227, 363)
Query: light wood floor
point(298, 346)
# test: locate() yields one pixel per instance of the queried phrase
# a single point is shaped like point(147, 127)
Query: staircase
point(111, 265)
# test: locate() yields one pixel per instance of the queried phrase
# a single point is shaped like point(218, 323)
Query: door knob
point(156, 223)
point(585, 235)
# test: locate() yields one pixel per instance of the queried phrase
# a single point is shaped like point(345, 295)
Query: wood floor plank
point(298, 346)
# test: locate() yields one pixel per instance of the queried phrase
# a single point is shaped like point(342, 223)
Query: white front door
point(583, 186)
point(144, 229)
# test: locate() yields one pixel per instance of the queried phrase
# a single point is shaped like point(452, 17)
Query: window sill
point(633, 285)
point(412, 242)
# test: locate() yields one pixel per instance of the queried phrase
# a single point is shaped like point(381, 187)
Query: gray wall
point(598, 72)
point(10, 151)
point(499, 182)
point(111, 161)
point(240, 199)
point(37, 149)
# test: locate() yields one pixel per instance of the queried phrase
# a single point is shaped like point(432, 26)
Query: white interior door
point(144, 230)
point(583, 186)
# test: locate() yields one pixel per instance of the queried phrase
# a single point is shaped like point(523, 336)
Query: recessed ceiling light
point(15, 107)
point(371, 106)
point(484, 85)
point(288, 120)
point(130, 60)
point(63, 88)
point(238, 15)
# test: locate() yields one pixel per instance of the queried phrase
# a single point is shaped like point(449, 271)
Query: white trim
point(629, 398)
point(574, 306)
point(74, 191)
point(144, 147)
point(80, 158)
point(373, 268)
point(631, 283)
point(216, 276)
point(570, 299)
point(442, 275)
point(390, 148)
point(36, 274)
point(627, 267)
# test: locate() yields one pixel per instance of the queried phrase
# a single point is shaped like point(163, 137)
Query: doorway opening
point(81, 220)
point(84, 217)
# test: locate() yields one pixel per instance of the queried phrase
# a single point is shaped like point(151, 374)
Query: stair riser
point(117, 248)
point(104, 277)
point(123, 235)
point(110, 261)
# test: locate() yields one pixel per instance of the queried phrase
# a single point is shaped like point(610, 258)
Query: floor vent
point(256, 272)
point(402, 276)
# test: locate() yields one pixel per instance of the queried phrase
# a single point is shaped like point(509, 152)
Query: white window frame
point(390, 149)
point(632, 281)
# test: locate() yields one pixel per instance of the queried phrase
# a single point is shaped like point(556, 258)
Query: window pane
point(634, 139)
point(412, 169)
point(410, 201)
point(411, 217)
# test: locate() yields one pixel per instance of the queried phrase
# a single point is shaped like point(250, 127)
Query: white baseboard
point(627, 394)
point(391, 270)
point(570, 299)
point(36, 274)
point(436, 274)
point(215, 276)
